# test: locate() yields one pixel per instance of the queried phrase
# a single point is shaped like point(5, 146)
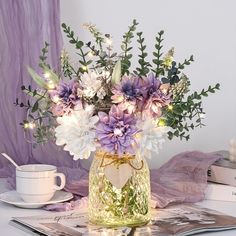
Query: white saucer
point(12, 197)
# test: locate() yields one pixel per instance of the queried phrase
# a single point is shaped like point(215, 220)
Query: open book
point(183, 219)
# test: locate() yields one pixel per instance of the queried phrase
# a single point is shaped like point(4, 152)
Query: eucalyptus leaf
point(39, 80)
point(116, 74)
point(35, 107)
point(32, 94)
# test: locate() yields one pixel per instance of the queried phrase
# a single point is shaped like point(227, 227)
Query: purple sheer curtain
point(24, 27)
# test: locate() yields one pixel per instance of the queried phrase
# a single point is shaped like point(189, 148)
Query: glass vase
point(119, 190)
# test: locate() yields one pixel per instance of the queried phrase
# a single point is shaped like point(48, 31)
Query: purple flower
point(115, 131)
point(155, 99)
point(129, 93)
point(65, 97)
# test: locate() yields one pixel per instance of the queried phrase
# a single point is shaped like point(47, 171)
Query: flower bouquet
point(101, 104)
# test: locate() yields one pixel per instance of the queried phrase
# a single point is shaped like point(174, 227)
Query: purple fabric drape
point(24, 27)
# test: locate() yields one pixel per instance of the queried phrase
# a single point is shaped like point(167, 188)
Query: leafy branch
point(104, 57)
point(79, 45)
point(43, 57)
point(127, 37)
point(21, 104)
point(204, 93)
point(186, 62)
point(182, 112)
point(99, 39)
point(32, 93)
point(143, 69)
point(102, 61)
point(67, 69)
point(173, 71)
point(157, 55)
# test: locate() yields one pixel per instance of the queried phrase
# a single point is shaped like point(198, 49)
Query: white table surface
point(8, 211)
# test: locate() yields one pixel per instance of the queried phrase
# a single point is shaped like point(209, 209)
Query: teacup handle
point(63, 181)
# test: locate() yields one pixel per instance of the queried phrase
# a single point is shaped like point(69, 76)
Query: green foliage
point(185, 63)
point(38, 114)
point(173, 71)
point(105, 57)
point(43, 56)
point(99, 38)
point(67, 69)
point(127, 198)
point(143, 70)
point(44, 133)
point(78, 45)
point(157, 61)
point(104, 61)
point(126, 48)
point(38, 79)
point(186, 115)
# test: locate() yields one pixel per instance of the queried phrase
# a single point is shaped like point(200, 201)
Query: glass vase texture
point(119, 190)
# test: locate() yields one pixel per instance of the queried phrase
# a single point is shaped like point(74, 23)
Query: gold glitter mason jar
point(119, 190)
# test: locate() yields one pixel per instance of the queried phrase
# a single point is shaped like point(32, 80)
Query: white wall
point(205, 28)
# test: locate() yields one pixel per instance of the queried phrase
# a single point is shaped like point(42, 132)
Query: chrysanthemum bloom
point(76, 131)
point(116, 130)
point(65, 97)
point(155, 98)
point(129, 93)
point(91, 85)
point(151, 137)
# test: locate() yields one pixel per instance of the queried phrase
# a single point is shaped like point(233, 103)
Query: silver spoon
point(11, 160)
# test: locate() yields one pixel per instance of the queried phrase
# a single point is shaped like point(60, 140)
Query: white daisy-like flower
point(76, 132)
point(91, 84)
point(151, 137)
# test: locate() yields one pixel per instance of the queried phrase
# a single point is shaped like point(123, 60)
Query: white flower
point(76, 132)
point(91, 84)
point(151, 137)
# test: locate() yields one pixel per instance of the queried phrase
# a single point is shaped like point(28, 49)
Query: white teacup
point(36, 183)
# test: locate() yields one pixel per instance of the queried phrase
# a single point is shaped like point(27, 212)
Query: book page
point(183, 219)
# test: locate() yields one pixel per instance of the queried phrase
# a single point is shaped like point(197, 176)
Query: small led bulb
point(26, 125)
point(31, 125)
point(84, 68)
point(161, 123)
point(50, 84)
point(47, 75)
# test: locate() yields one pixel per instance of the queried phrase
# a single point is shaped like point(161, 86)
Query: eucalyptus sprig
point(157, 55)
point(143, 70)
point(32, 92)
point(104, 61)
point(43, 57)
point(79, 45)
point(126, 48)
point(104, 55)
point(99, 38)
point(22, 104)
point(188, 114)
point(67, 69)
point(186, 62)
